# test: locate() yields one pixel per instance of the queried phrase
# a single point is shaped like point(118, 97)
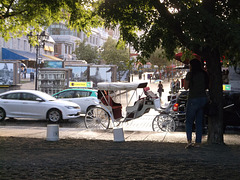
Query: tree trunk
point(215, 123)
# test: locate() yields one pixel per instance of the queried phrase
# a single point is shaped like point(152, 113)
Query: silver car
point(36, 105)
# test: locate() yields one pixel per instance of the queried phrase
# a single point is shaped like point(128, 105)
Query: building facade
point(21, 49)
point(66, 40)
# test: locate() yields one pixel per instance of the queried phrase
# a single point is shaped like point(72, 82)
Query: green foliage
point(195, 25)
point(85, 52)
point(159, 58)
point(116, 53)
point(22, 16)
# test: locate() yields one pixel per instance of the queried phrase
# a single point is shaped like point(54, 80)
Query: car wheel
point(2, 114)
point(54, 115)
point(90, 107)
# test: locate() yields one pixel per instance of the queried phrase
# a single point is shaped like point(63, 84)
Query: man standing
point(160, 89)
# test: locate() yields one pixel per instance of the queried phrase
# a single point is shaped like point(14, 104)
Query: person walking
point(197, 82)
point(177, 86)
point(160, 89)
point(172, 86)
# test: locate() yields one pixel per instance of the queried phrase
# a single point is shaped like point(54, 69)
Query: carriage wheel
point(97, 118)
point(163, 122)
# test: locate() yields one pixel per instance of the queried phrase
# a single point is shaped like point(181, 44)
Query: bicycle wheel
point(163, 122)
point(97, 118)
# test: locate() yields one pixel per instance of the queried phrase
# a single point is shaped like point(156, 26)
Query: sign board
point(227, 87)
point(81, 84)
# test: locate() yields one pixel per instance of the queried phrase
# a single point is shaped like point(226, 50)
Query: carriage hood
point(114, 86)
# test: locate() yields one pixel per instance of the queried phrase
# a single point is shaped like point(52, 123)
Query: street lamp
point(40, 40)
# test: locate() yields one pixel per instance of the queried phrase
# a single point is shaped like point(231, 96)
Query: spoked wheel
point(163, 122)
point(97, 118)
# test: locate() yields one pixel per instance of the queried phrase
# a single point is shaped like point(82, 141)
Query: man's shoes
point(197, 145)
point(189, 145)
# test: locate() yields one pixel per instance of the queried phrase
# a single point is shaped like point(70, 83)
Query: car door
point(83, 99)
point(68, 95)
point(11, 103)
point(31, 106)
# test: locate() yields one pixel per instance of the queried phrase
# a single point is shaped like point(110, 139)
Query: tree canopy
point(18, 17)
point(196, 25)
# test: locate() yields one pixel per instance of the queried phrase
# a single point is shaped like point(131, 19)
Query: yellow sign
point(80, 84)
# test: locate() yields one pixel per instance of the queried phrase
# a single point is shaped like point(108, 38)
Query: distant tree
point(86, 52)
point(159, 58)
point(115, 53)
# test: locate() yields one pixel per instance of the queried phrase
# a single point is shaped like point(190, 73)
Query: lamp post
point(40, 40)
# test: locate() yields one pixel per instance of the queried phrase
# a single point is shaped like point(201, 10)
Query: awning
point(52, 57)
point(51, 48)
point(46, 48)
point(12, 54)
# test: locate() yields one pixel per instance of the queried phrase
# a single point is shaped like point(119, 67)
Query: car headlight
point(72, 107)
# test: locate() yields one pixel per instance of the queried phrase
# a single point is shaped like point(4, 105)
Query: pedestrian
point(25, 73)
point(177, 86)
point(160, 89)
point(197, 82)
point(172, 86)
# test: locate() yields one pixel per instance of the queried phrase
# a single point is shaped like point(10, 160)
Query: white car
point(36, 105)
point(85, 98)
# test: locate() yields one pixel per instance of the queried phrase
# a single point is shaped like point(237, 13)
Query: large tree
point(209, 28)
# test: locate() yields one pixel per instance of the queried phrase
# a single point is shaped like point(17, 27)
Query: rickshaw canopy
point(115, 86)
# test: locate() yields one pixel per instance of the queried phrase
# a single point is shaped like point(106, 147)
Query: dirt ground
point(26, 158)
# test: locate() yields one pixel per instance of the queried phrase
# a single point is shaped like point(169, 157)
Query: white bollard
point(52, 132)
point(118, 134)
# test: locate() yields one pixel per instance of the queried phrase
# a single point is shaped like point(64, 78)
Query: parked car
point(85, 98)
point(37, 105)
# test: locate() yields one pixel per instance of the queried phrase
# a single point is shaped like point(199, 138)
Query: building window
point(18, 43)
point(96, 41)
point(11, 43)
point(73, 47)
point(69, 48)
point(25, 45)
point(91, 39)
point(65, 49)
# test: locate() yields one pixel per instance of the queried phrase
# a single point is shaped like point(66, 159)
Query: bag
point(210, 109)
point(162, 90)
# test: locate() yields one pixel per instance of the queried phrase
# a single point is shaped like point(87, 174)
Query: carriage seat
point(116, 107)
point(149, 93)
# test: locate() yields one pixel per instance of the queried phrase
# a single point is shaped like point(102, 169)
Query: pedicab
point(108, 112)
